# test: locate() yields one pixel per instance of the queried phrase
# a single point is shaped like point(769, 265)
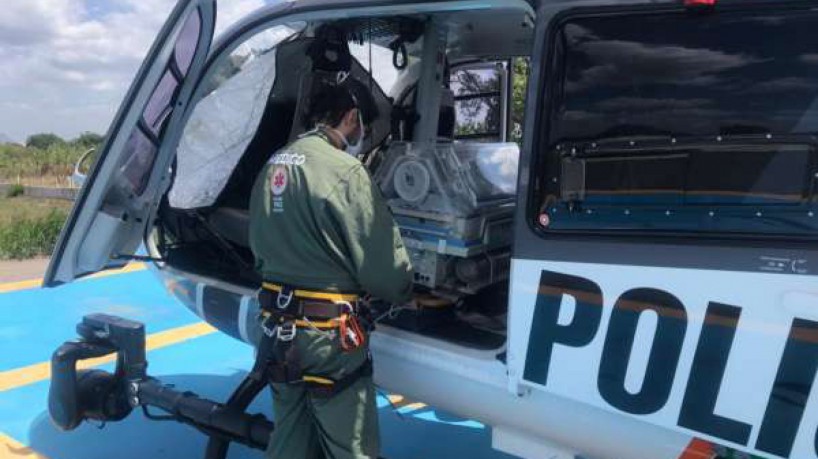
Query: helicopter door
point(111, 211)
point(665, 266)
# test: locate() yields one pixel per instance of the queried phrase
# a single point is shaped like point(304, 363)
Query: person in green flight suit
point(322, 233)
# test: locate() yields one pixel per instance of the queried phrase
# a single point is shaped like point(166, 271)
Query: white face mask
point(355, 150)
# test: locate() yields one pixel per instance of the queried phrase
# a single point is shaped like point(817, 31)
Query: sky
point(65, 64)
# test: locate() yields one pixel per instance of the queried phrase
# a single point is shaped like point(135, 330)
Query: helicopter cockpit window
point(143, 143)
point(682, 124)
point(223, 123)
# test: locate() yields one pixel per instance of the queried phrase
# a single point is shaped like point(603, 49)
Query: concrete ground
point(183, 351)
point(14, 270)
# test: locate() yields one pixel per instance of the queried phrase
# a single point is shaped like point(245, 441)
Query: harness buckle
point(283, 299)
point(270, 332)
point(287, 331)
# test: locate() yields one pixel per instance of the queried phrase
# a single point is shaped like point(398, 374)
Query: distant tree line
point(45, 158)
point(46, 140)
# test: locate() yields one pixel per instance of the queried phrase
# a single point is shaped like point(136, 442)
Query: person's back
point(305, 231)
point(323, 236)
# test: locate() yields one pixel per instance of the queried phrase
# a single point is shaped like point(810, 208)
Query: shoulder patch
point(278, 180)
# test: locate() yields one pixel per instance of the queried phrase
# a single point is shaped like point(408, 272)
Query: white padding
point(219, 131)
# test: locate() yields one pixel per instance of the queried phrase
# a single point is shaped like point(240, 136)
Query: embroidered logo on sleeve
point(288, 158)
point(278, 183)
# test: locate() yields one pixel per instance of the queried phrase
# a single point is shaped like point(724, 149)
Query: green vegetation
point(30, 227)
point(480, 116)
point(15, 190)
point(45, 159)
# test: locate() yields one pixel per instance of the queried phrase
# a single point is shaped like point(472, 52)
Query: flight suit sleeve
point(372, 239)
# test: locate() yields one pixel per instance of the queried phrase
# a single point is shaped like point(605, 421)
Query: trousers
point(344, 426)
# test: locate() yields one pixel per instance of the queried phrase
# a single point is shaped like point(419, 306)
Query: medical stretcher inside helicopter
point(598, 292)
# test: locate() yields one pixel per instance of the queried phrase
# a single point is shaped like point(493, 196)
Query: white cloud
point(67, 63)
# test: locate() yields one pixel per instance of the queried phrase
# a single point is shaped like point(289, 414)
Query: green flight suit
point(318, 222)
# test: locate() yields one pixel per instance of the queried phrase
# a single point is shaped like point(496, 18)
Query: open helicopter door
point(664, 268)
point(111, 212)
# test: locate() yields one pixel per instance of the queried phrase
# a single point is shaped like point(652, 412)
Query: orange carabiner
point(352, 336)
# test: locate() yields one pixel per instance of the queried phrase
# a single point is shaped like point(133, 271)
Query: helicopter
point(609, 206)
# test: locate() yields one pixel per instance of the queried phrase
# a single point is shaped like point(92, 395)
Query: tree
point(88, 140)
point(519, 81)
point(43, 141)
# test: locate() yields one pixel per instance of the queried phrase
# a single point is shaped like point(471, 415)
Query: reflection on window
point(478, 100)
point(140, 152)
point(674, 75)
point(519, 91)
point(143, 144)
point(160, 104)
point(187, 42)
point(682, 124)
point(224, 121)
point(253, 49)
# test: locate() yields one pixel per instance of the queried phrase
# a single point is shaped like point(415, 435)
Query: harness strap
point(324, 387)
point(329, 324)
point(312, 294)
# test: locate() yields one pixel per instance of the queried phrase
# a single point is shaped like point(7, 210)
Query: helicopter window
point(141, 153)
point(478, 101)
point(519, 87)
point(186, 45)
point(233, 97)
point(159, 105)
point(383, 72)
point(144, 141)
point(682, 124)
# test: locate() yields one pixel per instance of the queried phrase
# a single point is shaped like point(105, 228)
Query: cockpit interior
point(444, 149)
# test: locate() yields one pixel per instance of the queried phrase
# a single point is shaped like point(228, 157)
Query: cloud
point(785, 84)
point(809, 58)
point(67, 63)
point(621, 62)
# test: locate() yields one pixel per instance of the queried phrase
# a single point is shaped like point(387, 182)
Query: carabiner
point(268, 331)
point(287, 299)
point(286, 332)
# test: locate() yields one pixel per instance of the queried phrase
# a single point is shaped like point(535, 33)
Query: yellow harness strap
point(321, 325)
point(315, 295)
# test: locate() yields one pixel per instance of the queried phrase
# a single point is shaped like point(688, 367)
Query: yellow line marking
point(20, 285)
point(13, 379)
point(36, 283)
point(13, 449)
point(412, 407)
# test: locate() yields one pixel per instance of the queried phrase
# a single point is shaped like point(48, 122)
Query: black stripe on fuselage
point(221, 309)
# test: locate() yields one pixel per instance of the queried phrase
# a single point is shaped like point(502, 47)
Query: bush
point(15, 190)
point(29, 238)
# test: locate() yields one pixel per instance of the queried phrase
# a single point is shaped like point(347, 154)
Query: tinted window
point(159, 105)
point(141, 152)
point(676, 122)
point(682, 75)
point(186, 44)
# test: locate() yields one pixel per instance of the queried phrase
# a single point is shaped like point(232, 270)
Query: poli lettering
point(786, 399)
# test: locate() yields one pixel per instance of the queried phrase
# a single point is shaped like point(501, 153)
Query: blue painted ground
point(34, 322)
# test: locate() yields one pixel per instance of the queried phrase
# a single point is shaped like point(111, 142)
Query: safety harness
point(283, 310)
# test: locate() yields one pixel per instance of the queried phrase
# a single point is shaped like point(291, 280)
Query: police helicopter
point(637, 280)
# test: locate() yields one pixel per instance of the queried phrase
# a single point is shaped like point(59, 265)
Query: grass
point(33, 166)
point(30, 227)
